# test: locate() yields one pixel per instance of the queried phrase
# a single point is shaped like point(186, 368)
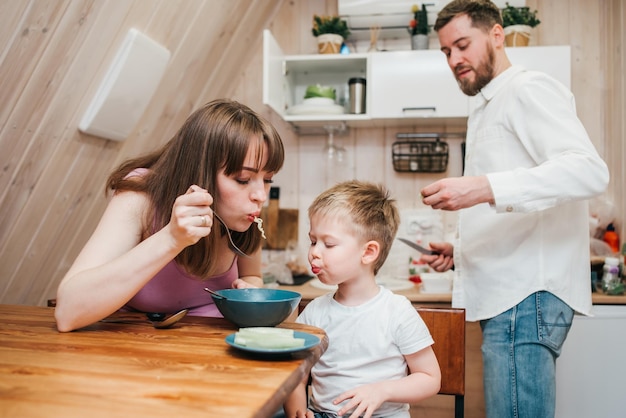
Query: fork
point(232, 245)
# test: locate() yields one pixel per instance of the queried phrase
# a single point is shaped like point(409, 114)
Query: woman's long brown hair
point(215, 137)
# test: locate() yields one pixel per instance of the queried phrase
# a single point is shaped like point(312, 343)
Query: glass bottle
point(611, 238)
point(334, 158)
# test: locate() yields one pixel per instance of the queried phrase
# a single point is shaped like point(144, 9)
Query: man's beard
point(484, 74)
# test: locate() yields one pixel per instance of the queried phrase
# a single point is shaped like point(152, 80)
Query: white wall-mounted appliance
point(127, 87)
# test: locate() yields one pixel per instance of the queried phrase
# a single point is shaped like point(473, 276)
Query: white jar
point(610, 274)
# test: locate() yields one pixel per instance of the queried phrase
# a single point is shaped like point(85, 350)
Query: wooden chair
point(447, 326)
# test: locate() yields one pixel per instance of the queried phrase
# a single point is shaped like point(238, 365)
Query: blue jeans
point(520, 348)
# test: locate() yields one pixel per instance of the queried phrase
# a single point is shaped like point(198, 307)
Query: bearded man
point(521, 254)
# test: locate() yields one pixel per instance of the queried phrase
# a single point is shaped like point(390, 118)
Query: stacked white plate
point(316, 106)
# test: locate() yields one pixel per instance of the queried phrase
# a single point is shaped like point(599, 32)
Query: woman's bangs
point(245, 134)
point(275, 154)
point(234, 151)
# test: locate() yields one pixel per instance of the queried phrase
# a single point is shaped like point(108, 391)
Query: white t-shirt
point(366, 344)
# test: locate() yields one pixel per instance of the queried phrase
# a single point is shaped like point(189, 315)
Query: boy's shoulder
point(320, 301)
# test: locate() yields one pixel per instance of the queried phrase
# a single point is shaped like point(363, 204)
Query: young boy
point(379, 358)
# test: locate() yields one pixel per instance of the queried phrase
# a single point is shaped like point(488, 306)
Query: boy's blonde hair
point(368, 211)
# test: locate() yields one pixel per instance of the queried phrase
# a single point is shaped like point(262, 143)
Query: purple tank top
point(172, 290)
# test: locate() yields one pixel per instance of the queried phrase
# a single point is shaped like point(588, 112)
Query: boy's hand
point(365, 400)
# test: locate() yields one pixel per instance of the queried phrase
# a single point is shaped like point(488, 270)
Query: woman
point(156, 246)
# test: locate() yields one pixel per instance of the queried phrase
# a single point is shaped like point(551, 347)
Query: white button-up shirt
point(542, 167)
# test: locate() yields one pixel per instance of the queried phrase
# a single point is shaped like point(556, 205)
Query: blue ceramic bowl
point(258, 307)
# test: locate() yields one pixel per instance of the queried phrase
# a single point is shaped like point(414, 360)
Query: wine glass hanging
point(334, 159)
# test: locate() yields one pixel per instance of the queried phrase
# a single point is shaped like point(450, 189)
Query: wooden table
point(135, 370)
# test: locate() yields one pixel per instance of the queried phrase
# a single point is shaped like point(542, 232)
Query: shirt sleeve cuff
point(505, 190)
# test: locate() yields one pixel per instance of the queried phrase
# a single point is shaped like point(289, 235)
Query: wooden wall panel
point(53, 60)
point(19, 100)
point(12, 13)
point(595, 30)
point(40, 116)
point(614, 60)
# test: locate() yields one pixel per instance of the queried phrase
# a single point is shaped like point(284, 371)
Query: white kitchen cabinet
point(552, 60)
point(402, 87)
point(412, 84)
point(286, 77)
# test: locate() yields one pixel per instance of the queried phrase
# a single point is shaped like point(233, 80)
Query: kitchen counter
point(603, 299)
point(415, 295)
point(308, 292)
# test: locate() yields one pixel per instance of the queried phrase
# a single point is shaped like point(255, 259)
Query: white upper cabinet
point(402, 87)
point(285, 79)
point(415, 84)
point(274, 82)
point(553, 60)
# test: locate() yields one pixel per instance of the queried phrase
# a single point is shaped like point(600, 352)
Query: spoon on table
point(161, 322)
point(158, 320)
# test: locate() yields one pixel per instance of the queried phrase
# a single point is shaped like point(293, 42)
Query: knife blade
point(417, 247)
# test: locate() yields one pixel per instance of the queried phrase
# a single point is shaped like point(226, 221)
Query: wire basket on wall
point(420, 156)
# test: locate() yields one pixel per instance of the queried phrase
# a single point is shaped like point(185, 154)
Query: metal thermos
point(357, 95)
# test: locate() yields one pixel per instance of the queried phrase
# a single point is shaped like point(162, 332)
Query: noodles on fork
point(259, 225)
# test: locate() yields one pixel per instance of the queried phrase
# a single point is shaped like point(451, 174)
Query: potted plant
point(518, 23)
point(330, 32)
point(418, 27)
